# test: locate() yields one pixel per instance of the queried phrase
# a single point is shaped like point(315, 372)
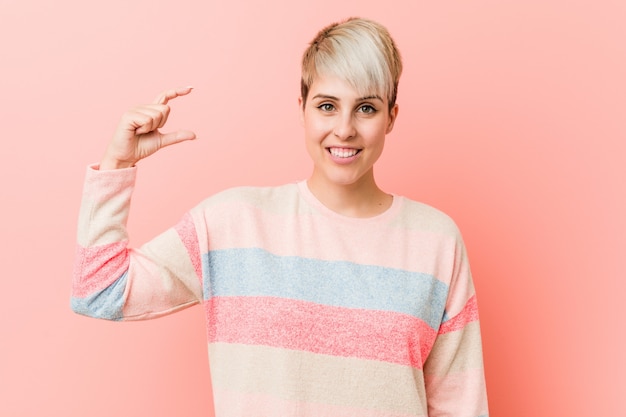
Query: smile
point(343, 152)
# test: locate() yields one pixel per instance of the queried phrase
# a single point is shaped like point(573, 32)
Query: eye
point(327, 107)
point(367, 109)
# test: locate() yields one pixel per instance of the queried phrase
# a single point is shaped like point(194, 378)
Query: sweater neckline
point(306, 193)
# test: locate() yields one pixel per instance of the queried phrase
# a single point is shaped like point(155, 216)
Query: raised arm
point(112, 281)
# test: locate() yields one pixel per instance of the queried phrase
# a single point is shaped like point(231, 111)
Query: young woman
point(327, 297)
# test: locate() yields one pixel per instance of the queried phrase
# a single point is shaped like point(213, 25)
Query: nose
point(344, 127)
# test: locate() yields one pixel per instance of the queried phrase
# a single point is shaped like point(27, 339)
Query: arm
point(110, 280)
point(453, 372)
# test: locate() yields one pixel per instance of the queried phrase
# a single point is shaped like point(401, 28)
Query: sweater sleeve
point(114, 282)
point(453, 371)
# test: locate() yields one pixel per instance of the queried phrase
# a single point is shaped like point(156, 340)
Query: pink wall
point(512, 119)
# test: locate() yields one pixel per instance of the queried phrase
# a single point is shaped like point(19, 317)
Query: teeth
point(343, 152)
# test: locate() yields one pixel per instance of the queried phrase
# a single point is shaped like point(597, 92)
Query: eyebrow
point(329, 97)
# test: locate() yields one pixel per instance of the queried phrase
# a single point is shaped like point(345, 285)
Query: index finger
point(168, 95)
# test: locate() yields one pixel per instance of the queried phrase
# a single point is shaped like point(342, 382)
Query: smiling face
point(344, 132)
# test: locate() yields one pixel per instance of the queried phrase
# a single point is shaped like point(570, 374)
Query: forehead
point(325, 86)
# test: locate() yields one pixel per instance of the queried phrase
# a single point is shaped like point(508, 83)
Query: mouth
point(343, 152)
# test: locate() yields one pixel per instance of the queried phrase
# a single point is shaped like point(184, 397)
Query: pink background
point(512, 120)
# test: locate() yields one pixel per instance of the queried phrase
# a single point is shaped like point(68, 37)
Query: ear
point(301, 105)
point(393, 113)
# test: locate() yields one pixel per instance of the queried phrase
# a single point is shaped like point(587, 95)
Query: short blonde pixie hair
point(359, 51)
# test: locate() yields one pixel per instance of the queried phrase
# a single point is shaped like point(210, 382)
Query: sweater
point(308, 312)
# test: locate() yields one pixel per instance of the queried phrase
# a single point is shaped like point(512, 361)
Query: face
point(344, 132)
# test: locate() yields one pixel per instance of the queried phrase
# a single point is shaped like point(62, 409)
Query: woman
point(327, 297)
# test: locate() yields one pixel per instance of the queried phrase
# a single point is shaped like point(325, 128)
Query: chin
point(345, 181)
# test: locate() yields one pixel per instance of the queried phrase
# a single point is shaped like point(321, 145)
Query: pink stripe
point(299, 325)
point(234, 404)
point(98, 267)
point(187, 232)
point(467, 315)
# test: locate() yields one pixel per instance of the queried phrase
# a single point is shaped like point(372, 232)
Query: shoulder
point(420, 216)
point(251, 196)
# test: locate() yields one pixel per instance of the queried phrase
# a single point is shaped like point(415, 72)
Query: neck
point(361, 199)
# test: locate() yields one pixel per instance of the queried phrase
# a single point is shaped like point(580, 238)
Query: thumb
point(171, 138)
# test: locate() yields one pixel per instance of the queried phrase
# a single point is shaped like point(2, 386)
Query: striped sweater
point(309, 313)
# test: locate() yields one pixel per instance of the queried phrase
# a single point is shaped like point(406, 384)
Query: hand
point(137, 135)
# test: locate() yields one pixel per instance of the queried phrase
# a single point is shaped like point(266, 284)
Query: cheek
point(312, 135)
point(315, 129)
point(376, 134)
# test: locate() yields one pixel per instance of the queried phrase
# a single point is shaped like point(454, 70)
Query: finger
point(171, 138)
point(157, 113)
point(146, 118)
point(164, 114)
point(137, 122)
point(168, 95)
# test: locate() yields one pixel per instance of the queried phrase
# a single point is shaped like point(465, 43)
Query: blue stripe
point(106, 304)
point(255, 272)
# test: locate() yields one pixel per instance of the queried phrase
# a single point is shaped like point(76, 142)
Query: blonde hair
point(359, 51)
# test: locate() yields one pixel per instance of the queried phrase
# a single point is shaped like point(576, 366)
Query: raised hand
point(137, 135)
